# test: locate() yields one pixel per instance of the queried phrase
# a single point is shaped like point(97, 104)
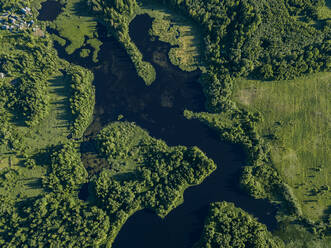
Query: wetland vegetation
point(204, 121)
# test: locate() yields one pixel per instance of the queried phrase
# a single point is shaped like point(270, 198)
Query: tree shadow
point(60, 86)
point(35, 183)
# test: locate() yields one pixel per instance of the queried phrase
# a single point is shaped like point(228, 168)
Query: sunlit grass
point(77, 26)
point(169, 26)
point(297, 113)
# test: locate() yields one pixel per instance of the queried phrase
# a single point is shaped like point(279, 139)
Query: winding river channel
point(159, 109)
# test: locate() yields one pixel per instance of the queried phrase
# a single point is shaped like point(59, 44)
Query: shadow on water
point(159, 109)
point(49, 10)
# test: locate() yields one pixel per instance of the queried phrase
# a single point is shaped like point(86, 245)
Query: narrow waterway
point(159, 109)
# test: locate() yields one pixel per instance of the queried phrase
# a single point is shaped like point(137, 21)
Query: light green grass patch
point(297, 115)
point(178, 31)
point(324, 12)
point(75, 25)
point(95, 44)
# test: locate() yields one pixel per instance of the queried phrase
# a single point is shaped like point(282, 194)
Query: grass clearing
point(178, 31)
point(297, 125)
point(77, 26)
point(55, 127)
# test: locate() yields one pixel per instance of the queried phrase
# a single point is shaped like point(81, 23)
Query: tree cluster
point(158, 175)
point(144, 172)
point(56, 218)
point(82, 98)
point(30, 65)
point(118, 14)
point(66, 171)
point(229, 227)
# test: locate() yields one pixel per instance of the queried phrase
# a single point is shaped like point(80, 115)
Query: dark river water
point(159, 109)
point(49, 10)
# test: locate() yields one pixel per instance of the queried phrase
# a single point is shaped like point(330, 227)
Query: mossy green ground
point(296, 123)
point(55, 127)
point(178, 31)
point(77, 28)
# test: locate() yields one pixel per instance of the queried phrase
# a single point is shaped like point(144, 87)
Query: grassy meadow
point(76, 28)
point(178, 31)
point(296, 123)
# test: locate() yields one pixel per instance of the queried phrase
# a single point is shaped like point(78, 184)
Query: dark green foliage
point(8, 135)
point(152, 174)
point(30, 101)
point(144, 173)
point(82, 98)
point(117, 14)
point(66, 171)
point(55, 220)
point(30, 65)
point(74, 224)
point(230, 227)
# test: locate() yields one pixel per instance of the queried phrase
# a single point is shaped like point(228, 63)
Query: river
point(159, 109)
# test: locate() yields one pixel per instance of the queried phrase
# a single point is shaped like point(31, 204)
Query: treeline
point(66, 172)
point(144, 173)
point(27, 63)
point(30, 65)
point(8, 134)
point(229, 227)
point(259, 177)
point(82, 99)
point(118, 14)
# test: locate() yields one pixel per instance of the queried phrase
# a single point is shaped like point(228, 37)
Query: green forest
point(265, 74)
point(230, 227)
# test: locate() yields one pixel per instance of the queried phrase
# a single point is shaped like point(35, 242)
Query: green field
point(169, 26)
point(76, 28)
point(296, 124)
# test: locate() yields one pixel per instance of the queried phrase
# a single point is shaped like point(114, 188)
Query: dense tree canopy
point(229, 227)
point(146, 170)
point(82, 98)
